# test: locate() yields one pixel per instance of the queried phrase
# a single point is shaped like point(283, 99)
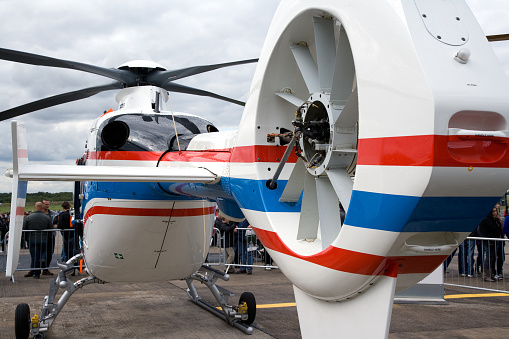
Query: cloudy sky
point(174, 33)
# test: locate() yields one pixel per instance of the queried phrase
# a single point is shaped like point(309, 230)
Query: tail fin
point(19, 192)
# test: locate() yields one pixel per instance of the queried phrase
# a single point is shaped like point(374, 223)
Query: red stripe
point(420, 150)
point(259, 153)
point(20, 210)
point(149, 212)
point(243, 154)
point(434, 150)
point(22, 153)
point(356, 262)
point(186, 156)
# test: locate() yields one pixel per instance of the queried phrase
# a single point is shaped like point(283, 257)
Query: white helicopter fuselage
point(144, 231)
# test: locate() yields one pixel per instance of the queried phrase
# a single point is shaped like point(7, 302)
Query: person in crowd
point(268, 260)
point(4, 228)
point(217, 222)
point(491, 227)
point(448, 260)
point(462, 258)
point(470, 244)
point(499, 249)
point(505, 228)
point(36, 221)
point(50, 241)
point(227, 228)
point(245, 256)
point(64, 223)
point(24, 235)
point(466, 256)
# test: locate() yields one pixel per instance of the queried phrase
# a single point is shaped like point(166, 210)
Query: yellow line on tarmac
point(481, 295)
point(277, 305)
point(451, 296)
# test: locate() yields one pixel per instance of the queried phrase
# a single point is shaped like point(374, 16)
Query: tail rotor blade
point(291, 98)
point(350, 112)
point(308, 223)
point(328, 210)
point(342, 184)
point(325, 51)
point(295, 183)
point(344, 71)
point(307, 67)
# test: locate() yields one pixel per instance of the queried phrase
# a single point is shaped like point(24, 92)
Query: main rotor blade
point(57, 100)
point(160, 78)
point(497, 37)
point(173, 87)
point(41, 60)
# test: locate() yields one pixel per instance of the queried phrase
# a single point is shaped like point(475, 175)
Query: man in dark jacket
point(50, 239)
point(64, 223)
point(490, 227)
point(227, 229)
point(36, 221)
point(4, 228)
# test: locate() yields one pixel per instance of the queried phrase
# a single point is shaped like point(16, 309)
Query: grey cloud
point(172, 33)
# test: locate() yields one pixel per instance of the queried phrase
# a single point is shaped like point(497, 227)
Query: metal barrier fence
point(478, 263)
point(40, 250)
point(246, 253)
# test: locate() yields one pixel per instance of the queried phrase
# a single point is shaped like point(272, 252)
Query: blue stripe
point(254, 195)
point(126, 191)
point(387, 212)
point(398, 213)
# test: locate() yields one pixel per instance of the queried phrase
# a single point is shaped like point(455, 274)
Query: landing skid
point(39, 325)
point(240, 316)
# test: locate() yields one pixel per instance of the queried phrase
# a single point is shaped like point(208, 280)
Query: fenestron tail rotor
point(128, 75)
point(325, 129)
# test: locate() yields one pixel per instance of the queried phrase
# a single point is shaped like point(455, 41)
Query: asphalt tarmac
point(163, 310)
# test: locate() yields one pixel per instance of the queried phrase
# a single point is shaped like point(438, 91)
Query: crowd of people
point(239, 245)
point(40, 236)
point(490, 253)
point(4, 228)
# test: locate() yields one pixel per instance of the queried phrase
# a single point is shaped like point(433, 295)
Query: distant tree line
point(34, 197)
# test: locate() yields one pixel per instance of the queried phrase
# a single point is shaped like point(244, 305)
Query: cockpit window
point(141, 132)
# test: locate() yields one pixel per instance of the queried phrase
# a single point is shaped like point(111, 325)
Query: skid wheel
point(249, 299)
point(22, 321)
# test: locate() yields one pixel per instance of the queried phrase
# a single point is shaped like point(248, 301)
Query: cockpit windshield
point(144, 132)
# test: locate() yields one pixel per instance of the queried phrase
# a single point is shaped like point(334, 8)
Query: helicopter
point(396, 114)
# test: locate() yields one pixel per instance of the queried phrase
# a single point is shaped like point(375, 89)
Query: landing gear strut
point(39, 325)
point(240, 316)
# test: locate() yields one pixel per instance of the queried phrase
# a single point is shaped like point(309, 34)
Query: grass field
point(54, 206)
